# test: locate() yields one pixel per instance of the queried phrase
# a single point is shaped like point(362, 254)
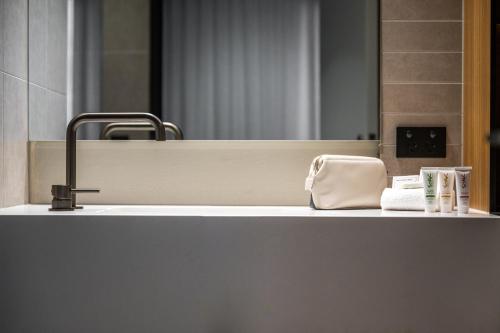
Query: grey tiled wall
point(421, 76)
point(13, 102)
point(47, 69)
point(32, 95)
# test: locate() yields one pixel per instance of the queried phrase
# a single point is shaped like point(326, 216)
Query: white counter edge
point(233, 211)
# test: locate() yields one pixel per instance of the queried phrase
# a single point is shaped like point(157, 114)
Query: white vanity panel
point(247, 269)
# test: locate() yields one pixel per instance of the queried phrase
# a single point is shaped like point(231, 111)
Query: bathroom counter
point(238, 211)
point(247, 269)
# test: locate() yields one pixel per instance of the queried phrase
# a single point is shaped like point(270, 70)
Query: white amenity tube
point(446, 182)
point(462, 177)
point(430, 188)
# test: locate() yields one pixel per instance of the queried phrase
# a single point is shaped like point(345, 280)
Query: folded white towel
point(402, 199)
point(413, 185)
point(403, 181)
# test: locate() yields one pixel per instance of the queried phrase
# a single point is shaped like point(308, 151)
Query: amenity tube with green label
point(430, 188)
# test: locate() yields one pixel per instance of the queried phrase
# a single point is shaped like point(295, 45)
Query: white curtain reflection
point(242, 69)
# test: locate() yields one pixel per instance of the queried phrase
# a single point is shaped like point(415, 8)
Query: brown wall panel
point(477, 67)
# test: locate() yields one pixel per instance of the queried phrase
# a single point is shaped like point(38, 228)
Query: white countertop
point(236, 211)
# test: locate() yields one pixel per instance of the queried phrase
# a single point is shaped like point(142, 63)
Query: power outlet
point(421, 142)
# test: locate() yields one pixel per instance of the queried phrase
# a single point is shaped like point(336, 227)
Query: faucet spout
point(66, 194)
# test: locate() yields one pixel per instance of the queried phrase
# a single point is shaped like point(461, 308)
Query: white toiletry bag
point(341, 182)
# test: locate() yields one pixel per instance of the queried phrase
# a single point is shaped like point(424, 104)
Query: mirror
point(223, 69)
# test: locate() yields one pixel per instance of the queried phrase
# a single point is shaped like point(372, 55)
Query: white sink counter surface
point(234, 211)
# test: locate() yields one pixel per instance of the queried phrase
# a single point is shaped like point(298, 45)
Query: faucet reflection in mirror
point(113, 128)
point(64, 196)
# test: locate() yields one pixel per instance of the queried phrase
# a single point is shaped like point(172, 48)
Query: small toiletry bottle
point(462, 178)
point(430, 188)
point(446, 182)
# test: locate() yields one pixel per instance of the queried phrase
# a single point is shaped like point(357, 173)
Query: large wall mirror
point(229, 69)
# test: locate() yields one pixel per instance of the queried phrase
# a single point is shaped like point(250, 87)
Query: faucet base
point(63, 209)
point(63, 197)
point(62, 200)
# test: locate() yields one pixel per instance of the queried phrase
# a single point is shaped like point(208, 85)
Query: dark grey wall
point(194, 274)
point(349, 69)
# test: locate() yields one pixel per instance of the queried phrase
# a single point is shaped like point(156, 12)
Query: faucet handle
point(85, 190)
point(64, 191)
point(63, 197)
